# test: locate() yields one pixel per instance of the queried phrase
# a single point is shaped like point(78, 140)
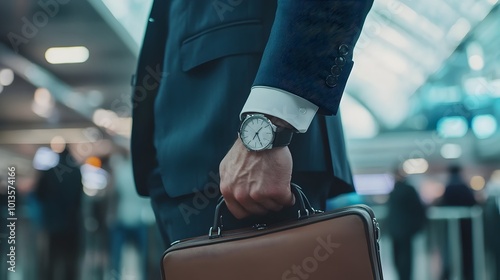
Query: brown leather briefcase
point(340, 245)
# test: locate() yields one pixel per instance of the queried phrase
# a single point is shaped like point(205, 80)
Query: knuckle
point(257, 196)
point(225, 190)
point(240, 196)
point(277, 193)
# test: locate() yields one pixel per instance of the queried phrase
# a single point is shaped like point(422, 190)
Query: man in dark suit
point(406, 216)
point(458, 193)
point(59, 192)
point(201, 63)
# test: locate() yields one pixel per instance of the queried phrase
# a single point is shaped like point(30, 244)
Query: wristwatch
point(258, 133)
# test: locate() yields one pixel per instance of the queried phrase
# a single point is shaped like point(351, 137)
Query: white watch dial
point(257, 133)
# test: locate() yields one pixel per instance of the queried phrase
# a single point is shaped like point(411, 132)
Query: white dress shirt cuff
point(289, 107)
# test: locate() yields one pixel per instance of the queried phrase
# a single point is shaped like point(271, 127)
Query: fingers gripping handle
point(301, 201)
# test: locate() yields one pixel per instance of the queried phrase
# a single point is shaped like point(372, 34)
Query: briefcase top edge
point(363, 211)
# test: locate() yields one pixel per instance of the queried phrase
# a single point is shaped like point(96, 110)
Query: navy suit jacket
point(198, 62)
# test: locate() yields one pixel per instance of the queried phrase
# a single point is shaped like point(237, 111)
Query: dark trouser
point(138, 236)
point(403, 257)
point(467, 250)
point(193, 215)
point(63, 256)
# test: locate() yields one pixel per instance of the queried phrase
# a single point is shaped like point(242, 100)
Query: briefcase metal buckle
point(212, 231)
point(299, 215)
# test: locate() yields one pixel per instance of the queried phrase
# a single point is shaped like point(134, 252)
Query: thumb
point(292, 199)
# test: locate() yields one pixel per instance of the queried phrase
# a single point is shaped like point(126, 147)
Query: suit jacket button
point(336, 70)
point(340, 61)
point(344, 49)
point(331, 81)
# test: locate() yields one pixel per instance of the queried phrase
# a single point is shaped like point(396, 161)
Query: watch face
point(256, 133)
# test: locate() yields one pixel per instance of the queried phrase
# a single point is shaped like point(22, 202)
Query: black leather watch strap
point(282, 137)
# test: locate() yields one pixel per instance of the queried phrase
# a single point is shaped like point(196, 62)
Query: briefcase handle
point(301, 200)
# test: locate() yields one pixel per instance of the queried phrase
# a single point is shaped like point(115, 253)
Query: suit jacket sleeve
point(309, 51)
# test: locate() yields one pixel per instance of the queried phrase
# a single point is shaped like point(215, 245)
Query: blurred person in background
point(458, 193)
point(59, 193)
point(127, 225)
point(406, 217)
point(492, 224)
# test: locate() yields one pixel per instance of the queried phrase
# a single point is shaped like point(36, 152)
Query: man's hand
point(254, 183)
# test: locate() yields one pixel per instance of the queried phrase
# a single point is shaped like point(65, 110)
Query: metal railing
point(452, 217)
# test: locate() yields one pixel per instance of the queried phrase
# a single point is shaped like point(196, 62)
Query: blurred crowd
point(84, 221)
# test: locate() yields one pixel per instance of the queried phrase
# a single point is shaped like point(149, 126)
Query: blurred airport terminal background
point(424, 96)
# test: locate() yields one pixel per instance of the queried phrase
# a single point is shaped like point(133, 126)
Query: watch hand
point(259, 139)
point(257, 134)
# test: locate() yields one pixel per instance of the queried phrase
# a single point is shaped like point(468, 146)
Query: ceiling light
point(65, 55)
point(484, 126)
point(477, 183)
point(415, 166)
point(104, 118)
point(42, 96)
point(476, 62)
point(94, 178)
point(94, 161)
point(459, 30)
point(452, 127)
point(475, 56)
point(6, 77)
point(58, 144)
point(112, 122)
point(451, 151)
point(45, 159)
point(43, 103)
point(389, 34)
point(373, 184)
